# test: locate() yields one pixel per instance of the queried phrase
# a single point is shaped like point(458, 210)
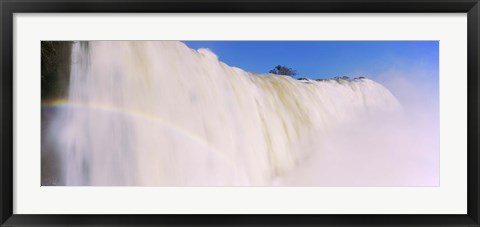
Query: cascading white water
point(161, 114)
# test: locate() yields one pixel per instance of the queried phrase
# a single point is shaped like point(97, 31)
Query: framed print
point(239, 113)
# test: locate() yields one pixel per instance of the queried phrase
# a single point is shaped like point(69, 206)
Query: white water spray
point(160, 114)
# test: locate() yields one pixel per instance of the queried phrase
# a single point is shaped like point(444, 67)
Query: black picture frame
point(9, 7)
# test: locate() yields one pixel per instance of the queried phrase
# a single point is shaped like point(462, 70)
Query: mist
point(400, 149)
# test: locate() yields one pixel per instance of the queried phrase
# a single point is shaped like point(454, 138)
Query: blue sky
point(326, 59)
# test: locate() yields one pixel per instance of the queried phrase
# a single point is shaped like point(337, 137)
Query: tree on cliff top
point(283, 70)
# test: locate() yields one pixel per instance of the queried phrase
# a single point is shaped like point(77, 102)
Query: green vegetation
point(342, 78)
point(283, 70)
point(338, 78)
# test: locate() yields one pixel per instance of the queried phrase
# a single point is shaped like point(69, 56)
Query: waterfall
point(151, 113)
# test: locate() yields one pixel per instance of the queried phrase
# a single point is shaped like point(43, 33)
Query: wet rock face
point(55, 69)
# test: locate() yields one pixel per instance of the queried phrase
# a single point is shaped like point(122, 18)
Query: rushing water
point(161, 114)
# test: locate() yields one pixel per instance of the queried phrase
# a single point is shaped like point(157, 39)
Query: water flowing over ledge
point(160, 114)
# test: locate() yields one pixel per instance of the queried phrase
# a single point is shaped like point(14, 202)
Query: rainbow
point(136, 115)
